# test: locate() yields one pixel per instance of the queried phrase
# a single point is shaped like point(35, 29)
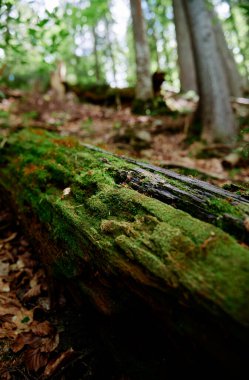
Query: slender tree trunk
point(96, 56)
point(144, 89)
point(58, 77)
point(218, 123)
point(184, 48)
point(234, 79)
point(154, 33)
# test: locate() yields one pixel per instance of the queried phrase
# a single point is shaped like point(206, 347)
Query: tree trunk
point(144, 89)
point(152, 24)
point(184, 48)
point(113, 242)
point(57, 78)
point(218, 123)
point(233, 77)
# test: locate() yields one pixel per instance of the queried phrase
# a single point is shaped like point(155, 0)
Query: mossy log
point(227, 210)
point(93, 228)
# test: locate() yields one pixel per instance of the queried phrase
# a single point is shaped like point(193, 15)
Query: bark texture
point(233, 77)
point(218, 123)
point(115, 242)
point(144, 89)
point(184, 48)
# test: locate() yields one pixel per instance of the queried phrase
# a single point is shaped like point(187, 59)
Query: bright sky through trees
point(121, 13)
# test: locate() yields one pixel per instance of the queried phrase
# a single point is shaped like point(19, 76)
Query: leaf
point(55, 364)
point(42, 22)
point(5, 287)
point(10, 238)
point(23, 318)
point(6, 318)
point(42, 329)
point(50, 344)
point(32, 32)
point(35, 359)
point(24, 339)
point(32, 293)
point(6, 333)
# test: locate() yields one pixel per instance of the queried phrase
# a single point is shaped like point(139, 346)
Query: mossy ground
point(119, 231)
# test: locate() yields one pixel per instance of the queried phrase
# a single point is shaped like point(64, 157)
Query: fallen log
point(229, 211)
point(93, 228)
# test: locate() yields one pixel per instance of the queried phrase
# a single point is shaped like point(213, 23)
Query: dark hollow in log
point(114, 242)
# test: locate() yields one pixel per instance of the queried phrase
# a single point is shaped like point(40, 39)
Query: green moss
point(221, 206)
point(116, 230)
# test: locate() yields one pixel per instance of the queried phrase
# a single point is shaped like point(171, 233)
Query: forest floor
point(37, 339)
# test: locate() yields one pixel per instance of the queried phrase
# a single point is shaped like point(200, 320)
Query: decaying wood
point(200, 199)
point(94, 228)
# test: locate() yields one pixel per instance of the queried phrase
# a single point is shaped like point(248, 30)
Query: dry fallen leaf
point(55, 364)
point(10, 238)
point(49, 344)
point(23, 318)
point(32, 293)
point(35, 359)
point(6, 333)
point(42, 328)
point(26, 338)
point(4, 286)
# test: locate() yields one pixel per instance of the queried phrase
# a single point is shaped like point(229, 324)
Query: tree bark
point(218, 123)
point(184, 48)
point(233, 77)
point(144, 89)
point(113, 242)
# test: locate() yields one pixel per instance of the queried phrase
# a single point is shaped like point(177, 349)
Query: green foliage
point(33, 40)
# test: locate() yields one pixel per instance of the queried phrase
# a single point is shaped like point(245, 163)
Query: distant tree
point(184, 48)
point(144, 89)
point(216, 115)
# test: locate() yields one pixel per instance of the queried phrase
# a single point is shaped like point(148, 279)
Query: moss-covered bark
point(113, 240)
